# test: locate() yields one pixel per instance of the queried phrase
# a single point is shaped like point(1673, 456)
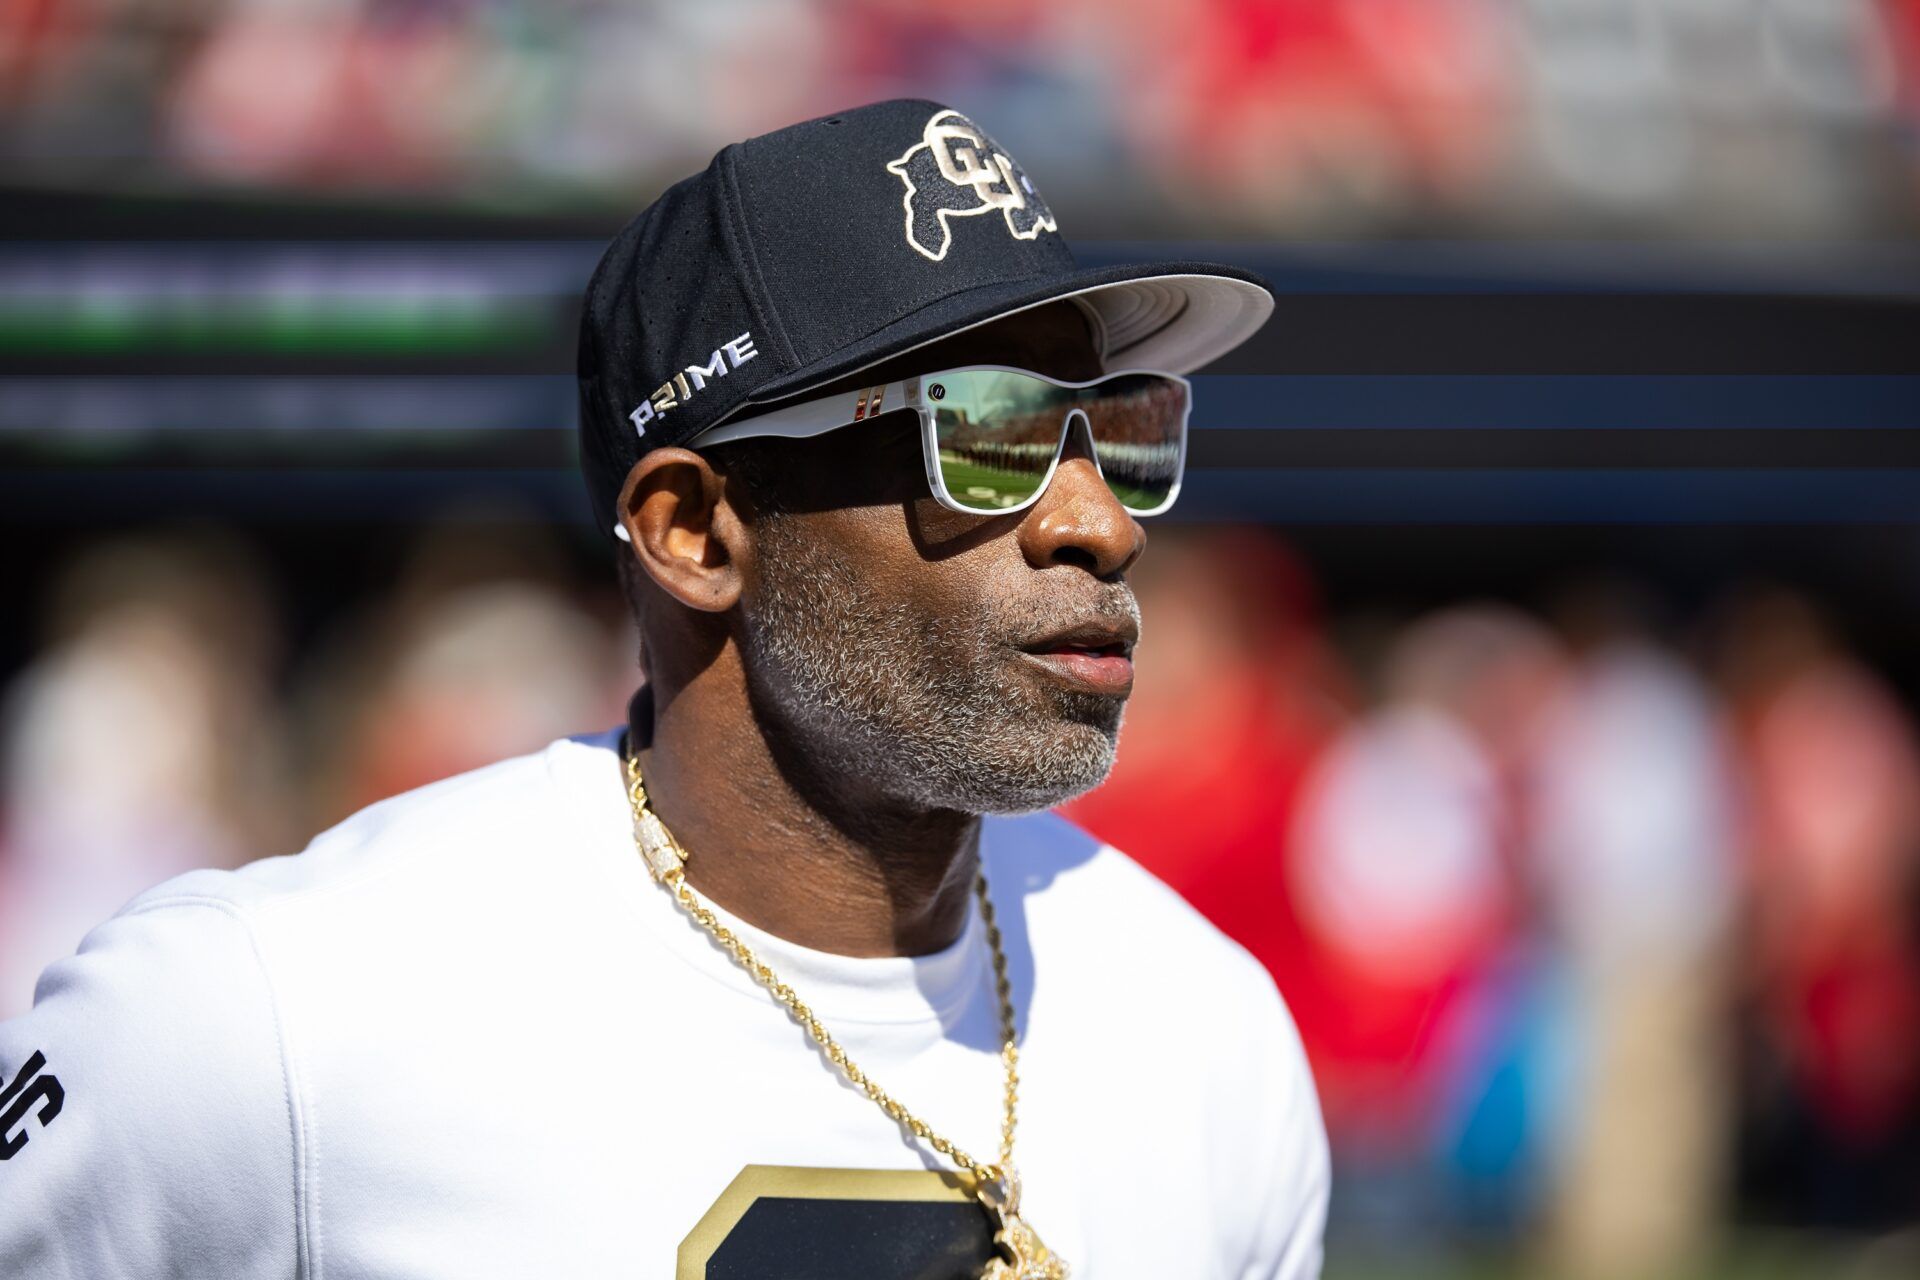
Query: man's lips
point(1096, 656)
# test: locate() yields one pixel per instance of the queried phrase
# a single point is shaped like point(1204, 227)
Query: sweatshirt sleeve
point(1279, 1113)
point(147, 1118)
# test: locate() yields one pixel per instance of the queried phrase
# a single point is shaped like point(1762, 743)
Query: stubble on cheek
point(928, 698)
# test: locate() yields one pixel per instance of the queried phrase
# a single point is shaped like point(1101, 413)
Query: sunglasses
point(993, 436)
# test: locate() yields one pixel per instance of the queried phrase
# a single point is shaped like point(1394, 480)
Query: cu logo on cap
point(956, 171)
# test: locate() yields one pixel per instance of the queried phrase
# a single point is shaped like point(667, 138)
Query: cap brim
point(1174, 316)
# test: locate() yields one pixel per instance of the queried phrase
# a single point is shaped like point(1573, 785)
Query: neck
point(817, 860)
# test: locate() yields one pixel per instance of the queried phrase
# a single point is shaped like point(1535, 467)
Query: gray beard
point(923, 706)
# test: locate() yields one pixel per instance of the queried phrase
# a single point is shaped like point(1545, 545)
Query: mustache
point(1112, 607)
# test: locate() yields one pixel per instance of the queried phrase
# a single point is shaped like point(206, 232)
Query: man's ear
point(683, 531)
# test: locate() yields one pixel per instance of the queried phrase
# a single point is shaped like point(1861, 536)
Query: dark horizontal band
point(1285, 449)
point(1288, 497)
point(1677, 448)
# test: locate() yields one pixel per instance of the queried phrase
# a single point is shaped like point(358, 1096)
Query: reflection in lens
point(998, 433)
point(1137, 423)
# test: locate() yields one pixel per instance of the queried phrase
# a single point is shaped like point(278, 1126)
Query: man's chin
point(1071, 761)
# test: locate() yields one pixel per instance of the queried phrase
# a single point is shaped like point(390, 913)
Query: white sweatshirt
point(465, 1035)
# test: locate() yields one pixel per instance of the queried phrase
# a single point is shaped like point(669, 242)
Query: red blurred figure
point(1402, 866)
point(1838, 800)
point(1353, 105)
point(1834, 962)
point(1236, 693)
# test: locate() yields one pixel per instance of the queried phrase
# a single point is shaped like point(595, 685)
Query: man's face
point(976, 663)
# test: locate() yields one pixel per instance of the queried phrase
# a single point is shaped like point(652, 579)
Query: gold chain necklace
point(996, 1186)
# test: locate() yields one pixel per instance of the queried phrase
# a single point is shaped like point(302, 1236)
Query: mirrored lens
point(998, 432)
point(1138, 422)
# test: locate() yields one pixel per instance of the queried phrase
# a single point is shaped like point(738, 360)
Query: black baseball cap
point(807, 254)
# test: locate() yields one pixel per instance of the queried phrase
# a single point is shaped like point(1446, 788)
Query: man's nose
point(1078, 520)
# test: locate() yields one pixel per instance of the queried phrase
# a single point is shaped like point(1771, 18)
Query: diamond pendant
point(657, 846)
point(1026, 1257)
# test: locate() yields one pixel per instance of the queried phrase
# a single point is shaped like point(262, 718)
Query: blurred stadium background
point(1532, 664)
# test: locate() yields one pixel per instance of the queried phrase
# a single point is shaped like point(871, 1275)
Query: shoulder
point(468, 834)
point(1123, 942)
point(196, 964)
point(1073, 886)
point(390, 898)
point(147, 1084)
point(475, 819)
point(160, 1071)
point(1098, 929)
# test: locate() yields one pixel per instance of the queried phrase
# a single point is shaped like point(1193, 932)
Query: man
point(750, 987)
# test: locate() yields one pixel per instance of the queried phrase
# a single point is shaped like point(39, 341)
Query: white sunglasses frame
point(844, 409)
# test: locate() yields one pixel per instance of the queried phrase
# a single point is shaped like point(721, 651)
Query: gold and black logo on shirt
point(831, 1224)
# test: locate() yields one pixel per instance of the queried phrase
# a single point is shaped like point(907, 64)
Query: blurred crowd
point(1599, 925)
point(1269, 115)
